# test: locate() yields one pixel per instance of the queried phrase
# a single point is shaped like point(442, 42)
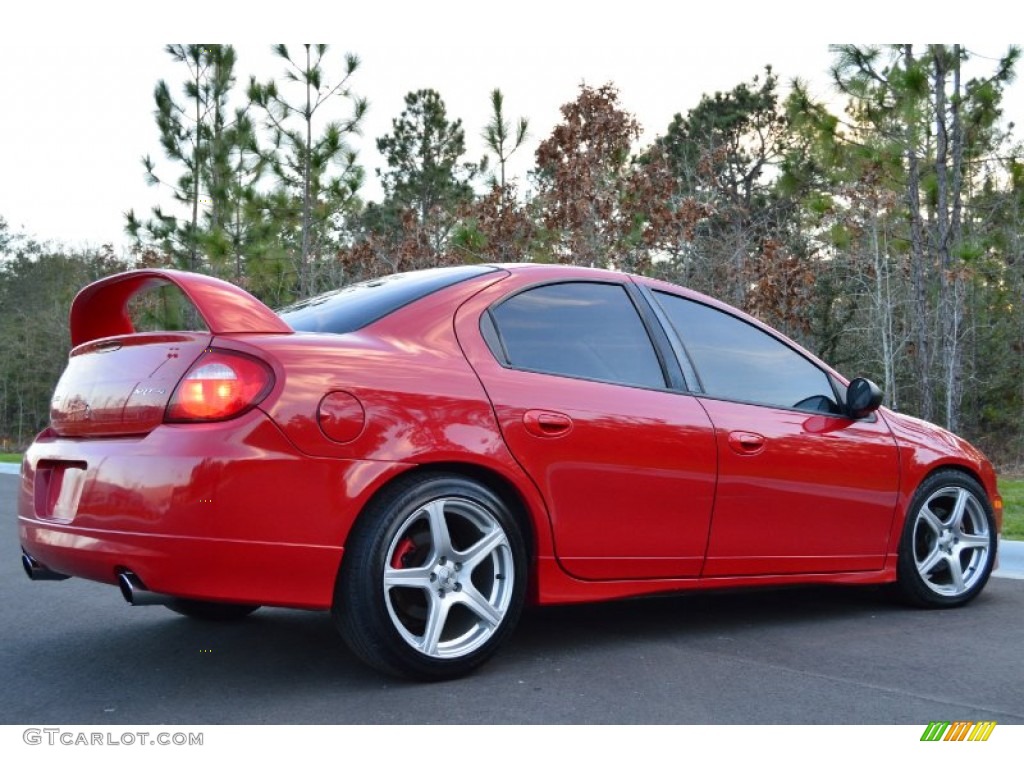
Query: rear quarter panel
point(422, 403)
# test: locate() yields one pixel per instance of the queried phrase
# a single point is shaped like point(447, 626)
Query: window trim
point(691, 382)
point(675, 377)
point(653, 335)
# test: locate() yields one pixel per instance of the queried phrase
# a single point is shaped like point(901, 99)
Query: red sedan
point(424, 453)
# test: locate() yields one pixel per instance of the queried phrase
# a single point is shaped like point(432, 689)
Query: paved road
point(73, 652)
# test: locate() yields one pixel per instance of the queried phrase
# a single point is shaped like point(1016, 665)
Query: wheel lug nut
point(443, 560)
point(458, 566)
point(433, 577)
point(458, 586)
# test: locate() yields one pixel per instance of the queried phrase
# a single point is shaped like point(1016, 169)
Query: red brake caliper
point(401, 557)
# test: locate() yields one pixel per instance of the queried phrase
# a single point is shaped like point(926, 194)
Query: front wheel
point(948, 545)
point(433, 578)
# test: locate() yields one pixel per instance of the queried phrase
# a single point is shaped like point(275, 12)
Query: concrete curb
point(1011, 560)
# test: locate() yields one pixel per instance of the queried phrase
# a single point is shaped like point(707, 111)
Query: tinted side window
point(586, 330)
point(736, 361)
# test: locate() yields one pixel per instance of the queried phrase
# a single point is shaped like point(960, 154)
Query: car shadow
point(301, 649)
point(715, 610)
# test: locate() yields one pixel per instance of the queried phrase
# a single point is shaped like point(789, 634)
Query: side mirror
point(862, 398)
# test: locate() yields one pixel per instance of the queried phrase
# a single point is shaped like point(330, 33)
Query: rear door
point(625, 464)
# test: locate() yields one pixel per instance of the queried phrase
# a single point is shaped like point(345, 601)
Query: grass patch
point(1012, 491)
point(11, 457)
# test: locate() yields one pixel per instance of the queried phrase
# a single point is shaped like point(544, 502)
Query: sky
point(76, 79)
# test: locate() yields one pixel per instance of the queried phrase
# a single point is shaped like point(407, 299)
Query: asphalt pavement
point(74, 652)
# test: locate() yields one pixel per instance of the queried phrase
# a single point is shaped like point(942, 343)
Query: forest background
point(881, 228)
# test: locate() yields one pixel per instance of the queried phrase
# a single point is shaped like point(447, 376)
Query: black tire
point(455, 563)
point(948, 546)
point(210, 611)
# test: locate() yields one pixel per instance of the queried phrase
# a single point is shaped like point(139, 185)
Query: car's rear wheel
point(433, 578)
point(210, 611)
point(948, 545)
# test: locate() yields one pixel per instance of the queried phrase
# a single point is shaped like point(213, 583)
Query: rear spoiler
point(101, 308)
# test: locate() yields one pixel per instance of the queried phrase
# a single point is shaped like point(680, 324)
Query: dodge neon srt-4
point(423, 454)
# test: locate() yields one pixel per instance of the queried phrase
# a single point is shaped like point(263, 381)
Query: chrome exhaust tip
point(39, 572)
point(134, 591)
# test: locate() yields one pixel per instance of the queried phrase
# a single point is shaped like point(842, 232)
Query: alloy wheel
point(951, 541)
point(449, 577)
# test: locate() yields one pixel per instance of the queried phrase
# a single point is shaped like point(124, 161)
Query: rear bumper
point(259, 573)
point(230, 512)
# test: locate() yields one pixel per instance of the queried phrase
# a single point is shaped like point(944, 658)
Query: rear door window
point(581, 329)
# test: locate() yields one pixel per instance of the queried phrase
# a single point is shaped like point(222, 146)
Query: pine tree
point(498, 137)
point(193, 135)
point(426, 177)
point(311, 199)
point(913, 105)
point(724, 151)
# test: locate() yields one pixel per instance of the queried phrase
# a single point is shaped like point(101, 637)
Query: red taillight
point(219, 385)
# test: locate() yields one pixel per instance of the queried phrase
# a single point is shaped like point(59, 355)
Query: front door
point(801, 488)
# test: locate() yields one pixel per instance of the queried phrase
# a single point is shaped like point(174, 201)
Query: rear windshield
point(357, 305)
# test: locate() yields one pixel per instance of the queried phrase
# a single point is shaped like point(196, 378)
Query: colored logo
point(959, 730)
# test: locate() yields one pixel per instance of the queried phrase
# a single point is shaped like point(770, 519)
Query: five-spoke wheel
point(949, 541)
point(433, 578)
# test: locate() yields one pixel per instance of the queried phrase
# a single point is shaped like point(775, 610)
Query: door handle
point(746, 443)
point(547, 423)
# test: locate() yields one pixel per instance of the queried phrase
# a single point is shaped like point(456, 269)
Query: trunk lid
point(120, 385)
